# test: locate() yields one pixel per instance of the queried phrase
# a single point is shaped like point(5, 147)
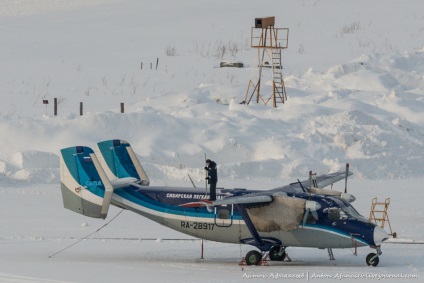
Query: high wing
point(321, 182)
point(246, 197)
point(238, 196)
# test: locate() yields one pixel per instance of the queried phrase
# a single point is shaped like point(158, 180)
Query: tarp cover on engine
point(284, 213)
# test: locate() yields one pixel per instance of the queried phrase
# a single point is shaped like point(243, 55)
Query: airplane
point(301, 214)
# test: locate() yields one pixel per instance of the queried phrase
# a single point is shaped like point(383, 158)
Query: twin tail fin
point(87, 186)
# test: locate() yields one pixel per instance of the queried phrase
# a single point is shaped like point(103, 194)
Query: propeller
point(311, 207)
point(348, 197)
point(313, 184)
point(310, 179)
point(347, 173)
point(310, 184)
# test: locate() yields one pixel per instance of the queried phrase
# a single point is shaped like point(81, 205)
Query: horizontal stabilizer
point(124, 182)
point(121, 161)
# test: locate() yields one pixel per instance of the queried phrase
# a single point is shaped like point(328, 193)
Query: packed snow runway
point(132, 247)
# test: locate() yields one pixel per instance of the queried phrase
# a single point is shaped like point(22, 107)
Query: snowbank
point(350, 99)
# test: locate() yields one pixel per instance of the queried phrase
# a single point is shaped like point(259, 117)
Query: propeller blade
point(310, 184)
point(347, 173)
point(310, 207)
point(310, 179)
point(305, 216)
point(314, 214)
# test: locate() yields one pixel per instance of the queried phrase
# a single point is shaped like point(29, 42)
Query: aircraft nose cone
point(379, 235)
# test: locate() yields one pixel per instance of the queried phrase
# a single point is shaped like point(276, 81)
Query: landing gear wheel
point(253, 258)
point(370, 261)
point(274, 254)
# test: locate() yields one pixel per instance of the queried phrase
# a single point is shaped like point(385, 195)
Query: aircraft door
point(223, 215)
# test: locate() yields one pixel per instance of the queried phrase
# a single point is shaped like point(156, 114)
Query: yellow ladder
point(379, 214)
point(279, 90)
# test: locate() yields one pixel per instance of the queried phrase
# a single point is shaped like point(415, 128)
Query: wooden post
point(55, 106)
point(122, 107)
point(157, 63)
point(45, 102)
point(201, 254)
point(81, 108)
point(141, 65)
point(151, 66)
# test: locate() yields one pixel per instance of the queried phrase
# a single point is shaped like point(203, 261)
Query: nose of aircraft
point(379, 235)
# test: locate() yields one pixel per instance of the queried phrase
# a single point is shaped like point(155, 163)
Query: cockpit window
point(344, 211)
point(351, 211)
point(335, 213)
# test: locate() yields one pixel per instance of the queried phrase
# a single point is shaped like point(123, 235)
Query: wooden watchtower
point(269, 41)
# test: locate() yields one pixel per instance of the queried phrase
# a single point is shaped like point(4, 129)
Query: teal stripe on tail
point(85, 187)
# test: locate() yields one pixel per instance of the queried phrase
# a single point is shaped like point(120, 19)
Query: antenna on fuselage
point(300, 183)
point(191, 180)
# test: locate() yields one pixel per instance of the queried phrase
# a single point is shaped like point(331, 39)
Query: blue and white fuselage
point(293, 215)
point(343, 228)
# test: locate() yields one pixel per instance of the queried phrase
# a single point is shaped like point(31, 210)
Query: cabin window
point(223, 213)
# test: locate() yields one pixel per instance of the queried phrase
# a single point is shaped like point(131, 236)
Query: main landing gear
point(372, 258)
point(276, 253)
point(253, 257)
point(270, 247)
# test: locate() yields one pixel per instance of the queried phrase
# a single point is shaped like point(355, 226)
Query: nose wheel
point(372, 258)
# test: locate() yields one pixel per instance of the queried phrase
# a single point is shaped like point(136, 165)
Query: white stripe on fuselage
point(238, 225)
point(334, 233)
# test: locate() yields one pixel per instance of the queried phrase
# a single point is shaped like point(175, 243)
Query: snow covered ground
point(355, 83)
point(134, 249)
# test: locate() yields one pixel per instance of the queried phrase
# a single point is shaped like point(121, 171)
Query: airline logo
point(93, 183)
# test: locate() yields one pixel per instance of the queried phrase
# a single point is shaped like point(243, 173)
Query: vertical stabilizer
point(121, 161)
point(85, 186)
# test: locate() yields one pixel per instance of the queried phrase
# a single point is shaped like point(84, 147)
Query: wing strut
point(262, 243)
point(250, 225)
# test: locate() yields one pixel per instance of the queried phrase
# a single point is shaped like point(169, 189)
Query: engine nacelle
point(312, 205)
point(348, 197)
